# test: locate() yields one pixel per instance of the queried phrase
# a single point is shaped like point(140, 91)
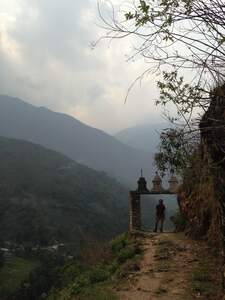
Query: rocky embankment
point(202, 194)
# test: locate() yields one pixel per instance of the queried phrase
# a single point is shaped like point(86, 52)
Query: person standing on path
point(160, 215)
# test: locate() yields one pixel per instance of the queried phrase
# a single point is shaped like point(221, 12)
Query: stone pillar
point(173, 184)
point(157, 184)
point(135, 211)
point(142, 185)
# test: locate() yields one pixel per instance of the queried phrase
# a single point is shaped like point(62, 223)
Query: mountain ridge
point(145, 137)
point(65, 134)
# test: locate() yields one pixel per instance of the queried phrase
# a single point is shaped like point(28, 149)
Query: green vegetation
point(13, 273)
point(32, 277)
point(100, 292)
point(178, 221)
point(160, 290)
point(46, 197)
point(96, 281)
point(164, 30)
point(201, 281)
point(124, 247)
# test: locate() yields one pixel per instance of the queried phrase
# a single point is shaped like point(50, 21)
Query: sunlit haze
point(47, 60)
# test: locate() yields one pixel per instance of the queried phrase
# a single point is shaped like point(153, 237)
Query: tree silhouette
point(184, 41)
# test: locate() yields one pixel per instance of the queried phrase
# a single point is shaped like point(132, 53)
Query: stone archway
point(135, 197)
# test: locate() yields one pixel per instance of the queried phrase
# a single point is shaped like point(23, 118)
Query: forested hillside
point(45, 196)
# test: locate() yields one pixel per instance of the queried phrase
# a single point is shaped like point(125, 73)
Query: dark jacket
point(160, 210)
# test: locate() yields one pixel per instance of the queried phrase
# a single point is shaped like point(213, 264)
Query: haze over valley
point(82, 143)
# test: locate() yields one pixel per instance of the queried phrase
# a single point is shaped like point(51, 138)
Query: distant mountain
point(144, 137)
point(74, 139)
point(45, 196)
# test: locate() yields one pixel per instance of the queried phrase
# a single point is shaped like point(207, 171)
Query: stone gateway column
point(134, 211)
point(173, 184)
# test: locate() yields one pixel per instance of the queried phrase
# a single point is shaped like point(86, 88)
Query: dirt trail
point(165, 270)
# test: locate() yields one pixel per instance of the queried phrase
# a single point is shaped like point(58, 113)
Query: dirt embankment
point(173, 268)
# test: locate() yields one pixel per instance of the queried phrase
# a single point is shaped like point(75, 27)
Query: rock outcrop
point(202, 195)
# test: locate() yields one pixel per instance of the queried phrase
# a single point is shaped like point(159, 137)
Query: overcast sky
point(46, 59)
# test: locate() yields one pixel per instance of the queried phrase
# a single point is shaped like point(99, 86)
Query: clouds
point(46, 58)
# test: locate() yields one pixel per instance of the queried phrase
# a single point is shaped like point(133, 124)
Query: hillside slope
point(144, 137)
point(46, 196)
point(69, 136)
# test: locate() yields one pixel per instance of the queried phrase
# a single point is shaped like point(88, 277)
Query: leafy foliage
point(185, 96)
point(94, 282)
point(183, 42)
point(179, 221)
point(14, 272)
point(180, 34)
point(175, 150)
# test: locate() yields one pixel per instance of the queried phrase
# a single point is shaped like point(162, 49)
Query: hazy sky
point(46, 59)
